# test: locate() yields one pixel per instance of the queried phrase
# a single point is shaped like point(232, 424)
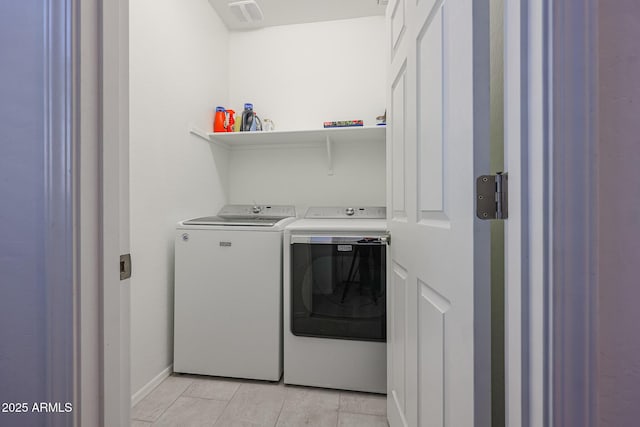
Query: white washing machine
point(228, 293)
point(335, 299)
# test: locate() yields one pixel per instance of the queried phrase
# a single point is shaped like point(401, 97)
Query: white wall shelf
point(294, 138)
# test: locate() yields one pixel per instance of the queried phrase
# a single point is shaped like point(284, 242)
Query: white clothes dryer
point(228, 293)
point(335, 299)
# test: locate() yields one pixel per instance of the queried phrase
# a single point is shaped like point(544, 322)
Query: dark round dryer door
point(338, 287)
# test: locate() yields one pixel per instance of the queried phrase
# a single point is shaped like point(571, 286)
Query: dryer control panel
point(356, 212)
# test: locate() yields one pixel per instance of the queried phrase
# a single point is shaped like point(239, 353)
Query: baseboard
point(148, 388)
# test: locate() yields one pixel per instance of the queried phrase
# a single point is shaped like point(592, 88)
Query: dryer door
point(338, 287)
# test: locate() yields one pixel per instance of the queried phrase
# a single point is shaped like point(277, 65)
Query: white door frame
point(550, 138)
point(101, 186)
point(114, 63)
point(528, 248)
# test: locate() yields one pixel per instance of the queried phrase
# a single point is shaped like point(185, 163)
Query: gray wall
point(618, 162)
point(36, 274)
point(22, 299)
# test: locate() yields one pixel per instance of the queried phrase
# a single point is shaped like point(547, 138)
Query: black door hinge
point(491, 196)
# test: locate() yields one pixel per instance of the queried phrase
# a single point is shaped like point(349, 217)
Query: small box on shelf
point(343, 123)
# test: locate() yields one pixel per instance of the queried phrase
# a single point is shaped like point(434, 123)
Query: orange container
point(219, 120)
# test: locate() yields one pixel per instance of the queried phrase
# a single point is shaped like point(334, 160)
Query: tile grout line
point(206, 398)
point(340, 393)
point(227, 405)
point(364, 413)
point(145, 398)
point(340, 410)
point(174, 400)
point(275, 423)
point(280, 412)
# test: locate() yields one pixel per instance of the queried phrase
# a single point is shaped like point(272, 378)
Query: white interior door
point(439, 368)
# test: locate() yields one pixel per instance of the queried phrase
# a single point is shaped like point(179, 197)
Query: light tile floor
point(191, 400)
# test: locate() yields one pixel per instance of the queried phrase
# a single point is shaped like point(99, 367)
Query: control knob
point(349, 211)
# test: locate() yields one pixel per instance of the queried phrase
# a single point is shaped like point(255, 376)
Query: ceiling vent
point(246, 11)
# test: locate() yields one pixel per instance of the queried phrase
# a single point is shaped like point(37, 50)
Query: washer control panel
point(366, 212)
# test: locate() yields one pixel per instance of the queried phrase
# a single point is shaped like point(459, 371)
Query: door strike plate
point(125, 266)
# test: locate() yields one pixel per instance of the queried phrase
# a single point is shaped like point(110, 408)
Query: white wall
point(300, 76)
point(298, 176)
point(178, 74)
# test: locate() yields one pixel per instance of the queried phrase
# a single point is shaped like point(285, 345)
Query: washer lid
point(234, 222)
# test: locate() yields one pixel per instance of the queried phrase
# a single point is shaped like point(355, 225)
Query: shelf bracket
point(199, 133)
point(329, 157)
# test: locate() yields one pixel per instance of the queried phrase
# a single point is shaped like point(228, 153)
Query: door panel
point(398, 328)
point(398, 100)
point(429, 110)
point(431, 316)
point(397, 24)
point(439, 141)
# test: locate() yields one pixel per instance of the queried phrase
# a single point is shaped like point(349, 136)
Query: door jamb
point(528, 232)
point(114, 132)
point(100, 110)
point(551, 135)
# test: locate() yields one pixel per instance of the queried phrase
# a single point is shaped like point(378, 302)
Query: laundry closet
point(184, 62)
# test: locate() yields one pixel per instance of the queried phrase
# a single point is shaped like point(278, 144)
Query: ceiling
point(284, 12)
